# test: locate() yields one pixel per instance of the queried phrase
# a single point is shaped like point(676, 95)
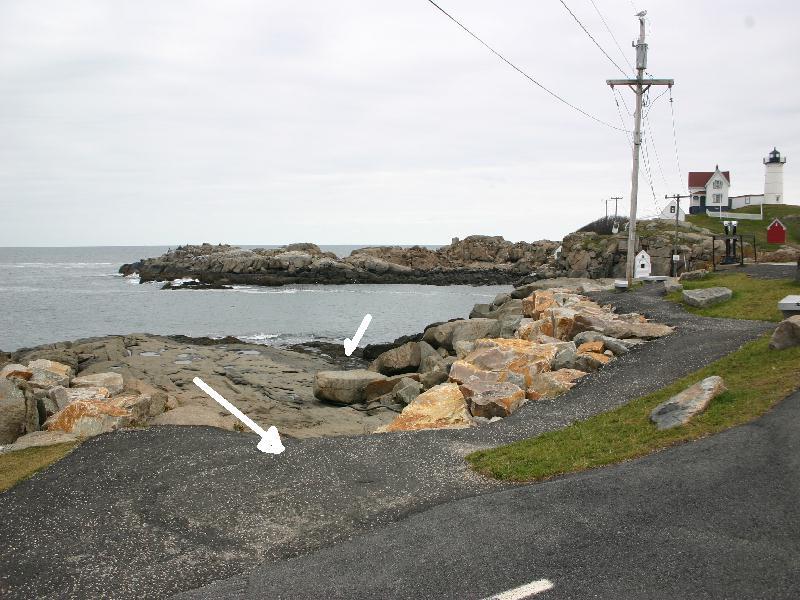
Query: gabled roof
point(778, 221)
point(700, 178)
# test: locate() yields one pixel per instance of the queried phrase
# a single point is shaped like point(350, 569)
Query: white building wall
point(722, 191)
point(773, 183)
point(750, 200)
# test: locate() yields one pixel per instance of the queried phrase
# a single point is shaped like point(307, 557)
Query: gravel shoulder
point(149, 513)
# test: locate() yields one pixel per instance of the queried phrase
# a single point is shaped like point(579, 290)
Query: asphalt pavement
point(718, 518)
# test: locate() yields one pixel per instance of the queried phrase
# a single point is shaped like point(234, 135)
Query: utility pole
point(639, 86)
point(677, 198)
point(616, 199)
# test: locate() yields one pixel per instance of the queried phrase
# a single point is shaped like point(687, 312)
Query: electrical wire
point(613, 37)
point(591, 37)
point(675, 141)
point(523, 73)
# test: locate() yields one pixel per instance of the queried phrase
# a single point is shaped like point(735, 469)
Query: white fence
point(734, 216)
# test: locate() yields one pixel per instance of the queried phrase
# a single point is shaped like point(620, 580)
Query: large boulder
point(504, 360)
point(553, 383)
point(18, 412)
point(344, 387)
point(89, 417)
point(380, 387)
point(48, 373)
point(679, 409)
point(441, 407)
point(705, 297)
point(36, 439)
point(447, 334)
point(111, 381)
point(787, 334)
point(614, 326)
point(62, 397)
point(136, 404)
point(693, 275)
point(403, 359)
point(492, 399)
point(15, 371)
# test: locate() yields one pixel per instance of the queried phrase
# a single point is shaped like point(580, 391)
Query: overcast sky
point(266, 122)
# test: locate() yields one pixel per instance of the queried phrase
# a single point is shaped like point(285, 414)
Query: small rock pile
point(43, 403)
point(471, 371)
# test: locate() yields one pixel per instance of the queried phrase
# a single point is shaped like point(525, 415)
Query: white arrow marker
point(524, 591)
point(270, 439)
point(350, 345)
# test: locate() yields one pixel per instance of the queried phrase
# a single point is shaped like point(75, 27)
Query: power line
point(652, 102)
point(523, 73)
point(675, 141)
point(613, 37)
point(591, 37)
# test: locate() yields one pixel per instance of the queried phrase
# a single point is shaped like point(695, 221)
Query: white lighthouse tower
point(773, 178)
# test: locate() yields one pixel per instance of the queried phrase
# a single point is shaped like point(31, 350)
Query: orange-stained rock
point(595, 346)
point(461, 372)
point(441, 407)
point(89, 417)
point(16, 371)
point(553, 383)
point(492, 399)
point(135, 403)
point(603, 358)
point(532, 330)
point(563, 320)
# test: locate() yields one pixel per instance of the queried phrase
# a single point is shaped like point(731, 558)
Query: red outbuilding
point(776, 232)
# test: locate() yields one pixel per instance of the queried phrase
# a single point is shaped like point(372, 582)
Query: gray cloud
point(267, 122)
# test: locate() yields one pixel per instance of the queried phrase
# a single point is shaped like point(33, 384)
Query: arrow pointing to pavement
point(270, 439)
point(350, 345)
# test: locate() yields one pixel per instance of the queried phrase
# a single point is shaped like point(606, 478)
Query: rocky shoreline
point(476, 260)
point(535, 342)
point(146, 380)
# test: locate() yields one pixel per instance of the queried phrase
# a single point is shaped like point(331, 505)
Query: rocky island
point(478, 260)
point(475, 260)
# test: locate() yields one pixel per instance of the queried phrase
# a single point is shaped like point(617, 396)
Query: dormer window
point(717, 184)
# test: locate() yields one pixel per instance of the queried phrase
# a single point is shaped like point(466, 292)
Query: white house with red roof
point(709, 190)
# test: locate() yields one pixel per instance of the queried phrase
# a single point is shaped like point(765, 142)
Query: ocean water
point(54, 294)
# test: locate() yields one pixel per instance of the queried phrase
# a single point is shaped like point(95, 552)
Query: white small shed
point(669, 211)
point(642, 267)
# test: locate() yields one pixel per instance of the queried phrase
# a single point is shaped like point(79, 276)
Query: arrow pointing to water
point(350, 345)
point(270, 439)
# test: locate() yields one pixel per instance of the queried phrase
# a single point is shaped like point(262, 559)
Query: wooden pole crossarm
point(644, 82)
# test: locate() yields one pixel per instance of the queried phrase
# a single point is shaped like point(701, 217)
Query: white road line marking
point(270, 439)
point(524, 591)
point(350, 345)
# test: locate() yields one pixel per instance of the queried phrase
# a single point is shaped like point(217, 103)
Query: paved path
point(144, 514)
point(718, 518)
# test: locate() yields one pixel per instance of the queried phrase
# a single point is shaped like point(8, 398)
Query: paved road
point(718, 518)
point(149, 513)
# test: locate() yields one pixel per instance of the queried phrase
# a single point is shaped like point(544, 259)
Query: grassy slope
point(759, 228)
point(757, 378)
point(19, 465)
point(752, 298)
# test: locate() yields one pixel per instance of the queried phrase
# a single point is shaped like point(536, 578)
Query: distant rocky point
point(481, 260)
point(475, 260)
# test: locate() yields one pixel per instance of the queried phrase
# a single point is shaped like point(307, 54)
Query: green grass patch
point(19, 465)
point(756, 377)
point(789, 215)
point(752, 298)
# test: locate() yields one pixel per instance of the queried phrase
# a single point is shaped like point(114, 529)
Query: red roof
point(700, 178)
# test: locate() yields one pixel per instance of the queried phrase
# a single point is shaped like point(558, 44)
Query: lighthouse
point(773, 177)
